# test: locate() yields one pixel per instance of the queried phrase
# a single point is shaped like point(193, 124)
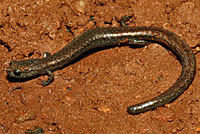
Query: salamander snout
point(13, 72)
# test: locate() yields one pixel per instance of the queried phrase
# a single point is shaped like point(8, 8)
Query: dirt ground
point(91, 95)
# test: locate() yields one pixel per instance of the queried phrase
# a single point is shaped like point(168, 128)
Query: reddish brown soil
point(101, 84)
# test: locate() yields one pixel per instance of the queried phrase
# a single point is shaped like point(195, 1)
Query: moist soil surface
point(91, 94)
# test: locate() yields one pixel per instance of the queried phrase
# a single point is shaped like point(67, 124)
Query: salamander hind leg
point(123, 21)
point(50, 79)
point(134, 40)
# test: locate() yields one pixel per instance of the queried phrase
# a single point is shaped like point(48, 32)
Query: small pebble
point(104, 109)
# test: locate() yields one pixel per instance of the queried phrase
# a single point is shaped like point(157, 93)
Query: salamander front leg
point(50, 79)
point(46, 54)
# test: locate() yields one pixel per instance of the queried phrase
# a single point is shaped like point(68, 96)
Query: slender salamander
point(107, 36)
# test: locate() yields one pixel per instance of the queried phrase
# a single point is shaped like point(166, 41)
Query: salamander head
point(23, 69)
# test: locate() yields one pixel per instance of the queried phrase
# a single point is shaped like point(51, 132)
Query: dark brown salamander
point(107, 36)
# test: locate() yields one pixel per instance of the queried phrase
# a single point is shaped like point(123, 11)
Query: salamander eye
point(13, 62)
point(17, 72)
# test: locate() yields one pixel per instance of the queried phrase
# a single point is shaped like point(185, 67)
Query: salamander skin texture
point(107, 36)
